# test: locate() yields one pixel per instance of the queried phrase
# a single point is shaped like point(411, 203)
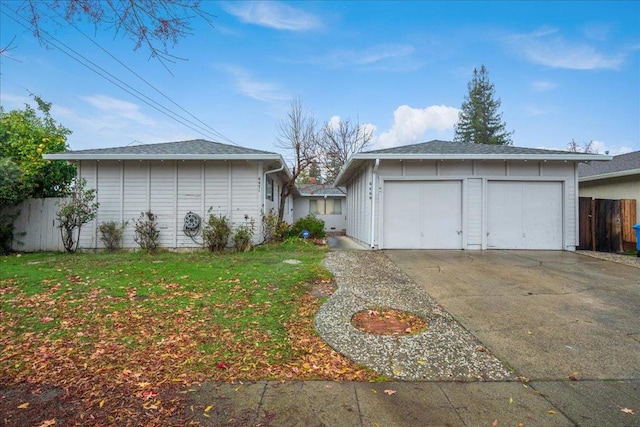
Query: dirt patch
point(386, 321)
point(323, 288)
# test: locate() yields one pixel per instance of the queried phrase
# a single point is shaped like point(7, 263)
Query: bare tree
point(298, 135)
point(156, 24)
point(587, 147)
point(340, 141)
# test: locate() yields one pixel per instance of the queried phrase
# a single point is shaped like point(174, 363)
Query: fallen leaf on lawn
point(148, 394)
point(222, 365)
point(374, 391)
point(47, 423)
point(102, 403)
point(511, 400)
point(494, 423)
point(24, 405)
point(574, 376)
point(390, 392)
point(628, 411)
point(208, 408)
point(551, 411)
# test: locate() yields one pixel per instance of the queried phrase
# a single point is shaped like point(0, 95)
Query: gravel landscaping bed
point(621, 259)
point(368, 280)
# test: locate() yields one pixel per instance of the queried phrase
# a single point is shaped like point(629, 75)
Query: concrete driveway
point(549, 315)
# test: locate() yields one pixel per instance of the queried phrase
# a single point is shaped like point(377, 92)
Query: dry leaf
point(551, 411)
point(494, 423)
point(208, 408)
point(628, 411)
point(47, 423)
point(390, 392)
point(24, 405)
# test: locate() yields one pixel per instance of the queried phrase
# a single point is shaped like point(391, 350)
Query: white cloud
point(410, 124)
point(547, 47)
point(543, 86)
point(369, 56)
point(273, 14)
point(249, 86)
point(119, 109)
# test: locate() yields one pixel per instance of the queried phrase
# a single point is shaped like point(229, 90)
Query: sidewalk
point(321, 403)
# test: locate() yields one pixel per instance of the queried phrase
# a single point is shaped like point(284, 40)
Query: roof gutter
point(609, 175)
point(374, 186)
point(452, 156)
point(74, 156)
point(264, 180)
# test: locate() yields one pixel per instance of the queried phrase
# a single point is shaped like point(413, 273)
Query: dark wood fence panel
point(606, 225)
point(586, 224)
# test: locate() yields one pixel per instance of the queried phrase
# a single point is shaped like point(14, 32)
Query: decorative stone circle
point(388, 321)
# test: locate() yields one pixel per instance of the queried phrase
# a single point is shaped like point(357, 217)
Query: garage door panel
point(422, 215)
point(524, 215)
point(402, 215)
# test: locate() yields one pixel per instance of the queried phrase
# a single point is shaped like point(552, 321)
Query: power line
point(103, 73)
point(215, 132)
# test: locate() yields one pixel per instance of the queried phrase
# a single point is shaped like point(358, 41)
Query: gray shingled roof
point(320, 190)
point(621, 163)
point(192, 147)
point(446, 147)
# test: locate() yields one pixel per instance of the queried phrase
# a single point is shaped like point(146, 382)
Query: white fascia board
point(78, 156)
point(541, 157)
point(609, 175)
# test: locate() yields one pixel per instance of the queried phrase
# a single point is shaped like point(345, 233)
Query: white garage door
point(422, 215)
point(524, 215)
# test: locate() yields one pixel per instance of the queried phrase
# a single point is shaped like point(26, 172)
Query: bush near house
point(310, 223)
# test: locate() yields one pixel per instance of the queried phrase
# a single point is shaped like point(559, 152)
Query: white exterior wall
point(474, 175)
point(624, 187)
point(332, 223)
point(359, 192)
point(171, 189)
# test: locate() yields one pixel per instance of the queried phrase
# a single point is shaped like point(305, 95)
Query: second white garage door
point(524, 215)
point(422, 215)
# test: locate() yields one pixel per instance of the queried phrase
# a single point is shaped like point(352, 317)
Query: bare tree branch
point(156, 24)
point(339, 142)
point(298, 135)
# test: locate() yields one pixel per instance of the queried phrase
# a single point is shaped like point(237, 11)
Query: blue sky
point(563, 71)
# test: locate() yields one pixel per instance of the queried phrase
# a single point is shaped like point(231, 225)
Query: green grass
point(235, 307)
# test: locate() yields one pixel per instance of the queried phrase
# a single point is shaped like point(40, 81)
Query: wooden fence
point(606, 225)
point(35, 228)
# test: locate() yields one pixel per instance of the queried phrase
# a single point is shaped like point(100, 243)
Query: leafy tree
point(339, 141)
point(479, 120)
point(75, 211)
point(24, 137)
point(299, 136)
point(156, 24)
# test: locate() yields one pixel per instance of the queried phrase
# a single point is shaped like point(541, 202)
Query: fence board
point(628, 219)
point(586, 224)
point(35, 228)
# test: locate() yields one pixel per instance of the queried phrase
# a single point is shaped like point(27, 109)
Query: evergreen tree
point(479, 120)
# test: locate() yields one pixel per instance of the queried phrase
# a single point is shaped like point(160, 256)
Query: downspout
point(374, 190)
point(264, 180)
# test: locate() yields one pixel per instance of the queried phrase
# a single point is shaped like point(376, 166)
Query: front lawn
point(125, 333)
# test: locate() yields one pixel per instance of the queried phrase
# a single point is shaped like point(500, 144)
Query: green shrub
point(111, 233)
point(146, 232)
point(6, 238)
point(272, 228)
point(243, 234)
point(216, 232)
point(310, 223)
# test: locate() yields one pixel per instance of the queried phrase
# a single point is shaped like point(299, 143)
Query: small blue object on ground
point(305, 234)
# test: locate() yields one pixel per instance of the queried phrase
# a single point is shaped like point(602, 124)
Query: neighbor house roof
point(445, 150)
point(320, 190)
point(196, 149)
point(622, 165)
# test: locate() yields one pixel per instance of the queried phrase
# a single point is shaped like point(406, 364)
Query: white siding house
point(446, 195)
point(174, 179)
point(325, 202)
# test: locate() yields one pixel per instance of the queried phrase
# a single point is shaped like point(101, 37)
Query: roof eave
point(618, 174)
point(77, 156)
point(435, 156)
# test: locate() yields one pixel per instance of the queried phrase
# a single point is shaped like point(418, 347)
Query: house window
point(269, 189)
point(325, 206)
